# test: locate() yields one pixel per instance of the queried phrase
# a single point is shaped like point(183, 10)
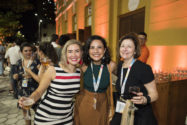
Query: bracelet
point(148, 99)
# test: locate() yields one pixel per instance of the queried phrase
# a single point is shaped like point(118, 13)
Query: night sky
point(30, 27)
point(45, 10)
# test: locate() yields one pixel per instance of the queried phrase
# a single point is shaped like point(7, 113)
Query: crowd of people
point(71, 83)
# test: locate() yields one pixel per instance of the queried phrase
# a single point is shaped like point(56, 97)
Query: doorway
point(132, 22)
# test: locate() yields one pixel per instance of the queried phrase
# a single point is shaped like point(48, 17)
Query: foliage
point(10, 14)
point(9, 23)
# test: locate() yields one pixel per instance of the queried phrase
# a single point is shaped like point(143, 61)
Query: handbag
point(128, 113)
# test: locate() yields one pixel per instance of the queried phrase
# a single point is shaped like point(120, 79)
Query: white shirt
point(54, 44)
point(14, 54)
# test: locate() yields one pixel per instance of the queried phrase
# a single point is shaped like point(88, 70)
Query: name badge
point(120, 106)
point(25, 83)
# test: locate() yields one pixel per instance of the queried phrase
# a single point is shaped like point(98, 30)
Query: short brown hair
point(132, 36)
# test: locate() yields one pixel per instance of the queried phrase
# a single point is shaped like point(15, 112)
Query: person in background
point(93, 103)
point(2, 53)
point(142, 36)
point(134, 73)
point(13, 54)
point(46, 52)
point(54, 40)
point(62, 41)
point(61, 83)
point(26, 84)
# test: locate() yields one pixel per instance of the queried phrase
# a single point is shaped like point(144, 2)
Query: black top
point(139, 75)
point(32, 84)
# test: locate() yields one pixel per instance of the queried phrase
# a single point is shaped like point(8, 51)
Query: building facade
point(164, 21)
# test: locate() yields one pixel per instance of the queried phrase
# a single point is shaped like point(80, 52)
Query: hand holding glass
point(45, 61)
point(133, 90)
point(27, 103)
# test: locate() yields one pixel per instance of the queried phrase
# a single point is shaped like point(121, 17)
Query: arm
point(84, 67)
point(33, 75)
point(152, 93)
point(152, 90)
point(48, 76)
point(113, 67)
point(7, 54)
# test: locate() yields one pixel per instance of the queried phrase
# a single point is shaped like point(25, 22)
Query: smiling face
point(127, 49)
point(27, 52)
point(96, 51)
point(74, 54)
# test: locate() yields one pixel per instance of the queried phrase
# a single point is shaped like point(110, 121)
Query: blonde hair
point(63, 60)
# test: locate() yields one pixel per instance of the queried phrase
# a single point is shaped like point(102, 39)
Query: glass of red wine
point(133, 90)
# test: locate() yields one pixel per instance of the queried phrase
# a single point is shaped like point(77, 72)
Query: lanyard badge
point(25, 80)
point(96, 84)
point(122, 84)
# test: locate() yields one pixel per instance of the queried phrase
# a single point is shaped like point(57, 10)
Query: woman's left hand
point(139, 99)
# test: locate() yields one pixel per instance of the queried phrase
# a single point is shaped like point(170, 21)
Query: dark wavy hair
point(25, 44)
point(49, 51)
point(86, 57)
point(132, 36)
point(63, 39)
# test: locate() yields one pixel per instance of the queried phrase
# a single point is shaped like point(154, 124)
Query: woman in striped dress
point(62, 82)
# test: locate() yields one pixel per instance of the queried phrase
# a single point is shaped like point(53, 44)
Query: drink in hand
point(28, 103)
point(133, 90)
point(45, 61)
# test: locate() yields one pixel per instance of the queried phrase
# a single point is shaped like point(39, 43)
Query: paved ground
point(9, 113)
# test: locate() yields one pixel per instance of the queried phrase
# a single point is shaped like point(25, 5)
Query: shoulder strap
point(110, 94)
point(81, 80)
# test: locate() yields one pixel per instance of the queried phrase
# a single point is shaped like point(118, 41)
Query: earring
point(121, 59)
point(67, 62)
point(81, 62)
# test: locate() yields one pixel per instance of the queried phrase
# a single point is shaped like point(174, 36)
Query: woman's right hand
point(22, 99)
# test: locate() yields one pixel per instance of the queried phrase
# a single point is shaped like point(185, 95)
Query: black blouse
point(139, 75)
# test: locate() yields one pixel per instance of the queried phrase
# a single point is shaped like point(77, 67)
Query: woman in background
point(26, 84)
point(48, 56)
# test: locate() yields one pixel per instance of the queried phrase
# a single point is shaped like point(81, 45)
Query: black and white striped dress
point(56, 107)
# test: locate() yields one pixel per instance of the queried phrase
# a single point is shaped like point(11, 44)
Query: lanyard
point(126, 76)
point(28, 64)
point(96, 84)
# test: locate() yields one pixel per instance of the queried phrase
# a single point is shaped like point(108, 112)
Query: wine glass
point(27, 103)
point(133, 90)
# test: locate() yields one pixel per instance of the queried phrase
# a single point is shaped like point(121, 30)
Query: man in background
point(54, 40)
point(62, 41)
point(142, 36)
point(14, 54)
point(2, 53)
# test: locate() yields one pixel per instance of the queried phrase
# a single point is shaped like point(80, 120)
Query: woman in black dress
point(132, 72)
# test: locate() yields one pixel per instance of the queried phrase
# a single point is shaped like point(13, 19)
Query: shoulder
point(50, 71)
point(112, 65)
point(84, 68)
point(19, 62)
point(141, 65)
point(142, 68)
